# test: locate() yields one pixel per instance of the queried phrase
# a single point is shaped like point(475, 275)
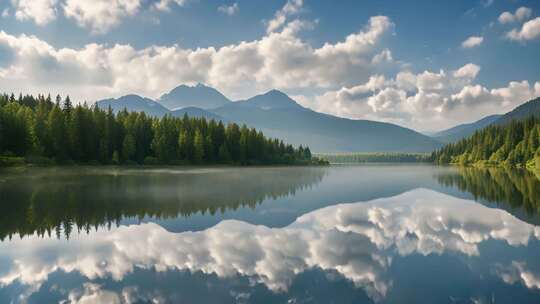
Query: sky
point(426, 65)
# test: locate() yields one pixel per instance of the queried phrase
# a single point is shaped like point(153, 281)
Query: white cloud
point(521, 14)
point(165, 5)
point(358, 241)
point(92, 293)
point(229, 9)
point(472, 42)
point(290, 8)
point(529, 31)
point(279, 60)
point(470, 70)
point(40, 11)
point(100, 15)
point(472, 95)
point(427, 100)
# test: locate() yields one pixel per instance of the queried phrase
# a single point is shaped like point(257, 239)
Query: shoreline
point(21, 162)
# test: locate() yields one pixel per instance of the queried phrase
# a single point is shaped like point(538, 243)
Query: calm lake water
point(339, 234)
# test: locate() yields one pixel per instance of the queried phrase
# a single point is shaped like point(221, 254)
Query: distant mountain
point(199, 96)
point(523, 111)
point(196, 112)
point(134, 103)
point(279, 116)
point(464, 130)
point(273, 99)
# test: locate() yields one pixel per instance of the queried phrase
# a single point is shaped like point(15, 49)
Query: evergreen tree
point(513, 144)
point(199, 152)
point(63, 132)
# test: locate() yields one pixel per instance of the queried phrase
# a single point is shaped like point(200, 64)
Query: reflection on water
point(518, 189)
point(49, 201)
point(359, 242)
point(351, 234)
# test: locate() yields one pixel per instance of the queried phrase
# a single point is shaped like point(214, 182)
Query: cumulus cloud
point(93, 293)
point(472, 42)
point(521, 14)
point(357, 241)
point(290, 8)
point(279, 60)
point(40, 11)
point(529, 31)
point(229, 9)
point(424, 100)
point(100, 15)
point(165, 5)
point(468, 71)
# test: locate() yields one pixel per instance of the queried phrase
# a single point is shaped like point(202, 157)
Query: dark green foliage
point(37, 128)
point(513, 144)
point(79, 199)
point(515, 188)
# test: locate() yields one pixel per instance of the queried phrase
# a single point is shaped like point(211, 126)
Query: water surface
point(341, 234)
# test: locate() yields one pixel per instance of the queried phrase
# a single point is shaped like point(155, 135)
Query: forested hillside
point(515, 143)
point(42, 130)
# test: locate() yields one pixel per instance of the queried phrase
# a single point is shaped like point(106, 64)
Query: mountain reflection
point(57, 201)
point(359, 242)
point(518, 189)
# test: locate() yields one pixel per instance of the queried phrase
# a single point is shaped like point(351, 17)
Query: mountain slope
point(464, 130)
point(322, 132)
point(532, 107)
point(133, 103)
point(199, 96)
point(273, 99)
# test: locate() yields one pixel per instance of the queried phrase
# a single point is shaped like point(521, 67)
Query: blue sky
point(399, 65)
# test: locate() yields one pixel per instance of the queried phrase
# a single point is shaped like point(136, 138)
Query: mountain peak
point(135, 103)
point(275, 92)
point(273, 99)
point(199, 95)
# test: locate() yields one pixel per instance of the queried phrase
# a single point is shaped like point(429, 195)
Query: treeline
point(375, 157)
point(43, 130)
point(514, 144)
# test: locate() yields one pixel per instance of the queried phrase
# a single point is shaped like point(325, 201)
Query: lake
point(338, 234)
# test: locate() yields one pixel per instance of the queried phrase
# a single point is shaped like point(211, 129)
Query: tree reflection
point(520, 189)
point(59, 201)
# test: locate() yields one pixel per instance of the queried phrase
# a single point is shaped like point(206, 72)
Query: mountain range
point(279, 116)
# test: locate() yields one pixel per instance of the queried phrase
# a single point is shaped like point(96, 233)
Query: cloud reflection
point(358, 241)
